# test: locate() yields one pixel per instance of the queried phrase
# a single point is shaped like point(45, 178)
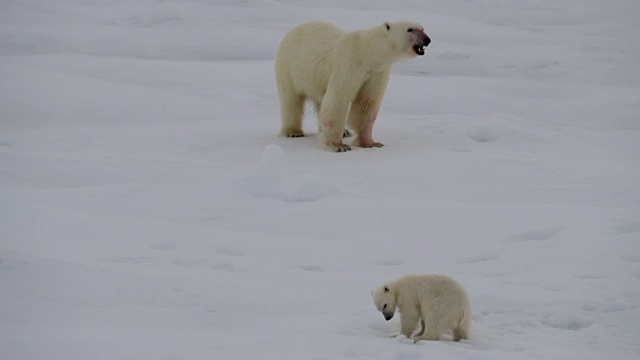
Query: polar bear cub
point(437, 302)
point(344, 74)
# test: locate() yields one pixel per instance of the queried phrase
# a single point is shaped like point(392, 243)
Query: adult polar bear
point(341, 72)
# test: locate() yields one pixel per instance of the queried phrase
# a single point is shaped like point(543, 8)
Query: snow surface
point(149, 211)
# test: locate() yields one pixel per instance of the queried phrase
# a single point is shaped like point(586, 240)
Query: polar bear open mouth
point(419, 49)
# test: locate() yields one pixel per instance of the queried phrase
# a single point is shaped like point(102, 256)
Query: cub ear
point(386, 289)
point(386, 24)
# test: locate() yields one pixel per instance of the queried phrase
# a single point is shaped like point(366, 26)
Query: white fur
point(339, 72)
point(437, 302)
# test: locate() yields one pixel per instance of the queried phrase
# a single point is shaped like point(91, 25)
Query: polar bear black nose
point(426, 41)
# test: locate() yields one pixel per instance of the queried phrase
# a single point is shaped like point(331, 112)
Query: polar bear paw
point(371, 145)
point(294, 134)
point(367, 143)
point(341, 148)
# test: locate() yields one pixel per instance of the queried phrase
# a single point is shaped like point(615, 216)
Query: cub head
point(409, 37)
point(385, 301)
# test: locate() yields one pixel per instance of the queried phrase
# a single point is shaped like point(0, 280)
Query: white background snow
point(148, 209)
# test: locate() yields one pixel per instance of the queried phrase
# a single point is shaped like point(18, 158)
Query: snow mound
point(271, 159)
point(504, 127)
point(309, 187)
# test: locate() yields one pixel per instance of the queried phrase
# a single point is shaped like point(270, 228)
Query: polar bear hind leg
point(431, 327)
point(291, 109)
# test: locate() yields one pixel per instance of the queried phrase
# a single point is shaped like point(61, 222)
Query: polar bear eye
point(384, 307)
point(409, 30)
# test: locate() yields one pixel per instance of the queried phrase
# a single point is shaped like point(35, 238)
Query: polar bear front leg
point(331, 134)
point(333, 113)
point(408, 322)
point(364, 110)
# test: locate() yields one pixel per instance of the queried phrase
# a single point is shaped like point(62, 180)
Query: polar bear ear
point(386, 24)
point(386, 289)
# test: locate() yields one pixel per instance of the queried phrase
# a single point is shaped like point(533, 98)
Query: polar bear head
point(385, 301)
point(409, 37)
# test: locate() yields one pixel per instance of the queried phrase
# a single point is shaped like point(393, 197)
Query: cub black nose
point(426, 41)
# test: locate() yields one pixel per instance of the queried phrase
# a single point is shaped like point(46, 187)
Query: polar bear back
point(424, 290)
point(314, 41)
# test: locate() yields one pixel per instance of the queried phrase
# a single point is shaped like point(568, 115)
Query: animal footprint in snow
point(591, 276)
point(313, 268)
point(389, 262)
point(483, 134)
point(479, 258)
point(626, 228)
point(536, 235)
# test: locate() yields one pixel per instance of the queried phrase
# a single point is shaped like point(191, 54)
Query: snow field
point(149, 211)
